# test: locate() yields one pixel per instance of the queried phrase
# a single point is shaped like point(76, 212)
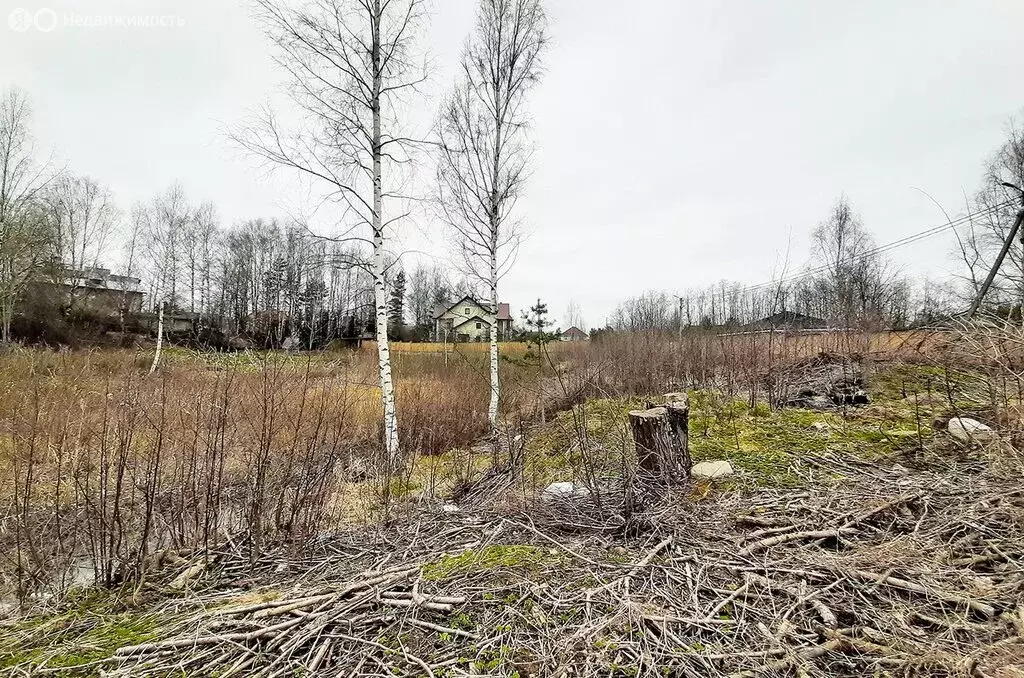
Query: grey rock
point(564, 490)
point(712, 469)
point(968, 430)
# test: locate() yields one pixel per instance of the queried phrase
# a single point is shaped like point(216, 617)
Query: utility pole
point(1010, 237)
point(679, 317)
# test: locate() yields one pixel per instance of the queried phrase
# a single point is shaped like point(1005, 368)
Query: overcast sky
point(678, 142)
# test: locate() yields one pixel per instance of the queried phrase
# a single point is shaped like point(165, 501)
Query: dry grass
point(516, 348)
point(102, 469)
point(102, 465)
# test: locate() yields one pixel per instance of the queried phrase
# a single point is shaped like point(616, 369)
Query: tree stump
point(661, 436)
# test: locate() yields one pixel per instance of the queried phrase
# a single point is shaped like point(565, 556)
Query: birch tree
point(24, 227)
point(348, 64)
point(131, 255)
point(83, 217)
point(484, 151)
point(165, 230)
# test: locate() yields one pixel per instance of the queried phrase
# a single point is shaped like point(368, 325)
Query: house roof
point(441, 309)
point(473, 318)
point(792, 319)
point(438, 311)
point(575, 333)
point(96, 277)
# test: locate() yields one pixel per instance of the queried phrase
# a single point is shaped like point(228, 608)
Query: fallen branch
point(443, 629)
point(809, 535)
point(639, 565)
point(983, 609)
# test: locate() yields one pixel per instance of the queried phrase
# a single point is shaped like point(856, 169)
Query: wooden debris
point(907, 589)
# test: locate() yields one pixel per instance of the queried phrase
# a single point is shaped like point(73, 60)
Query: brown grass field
point(102, 462)
point(135, 509)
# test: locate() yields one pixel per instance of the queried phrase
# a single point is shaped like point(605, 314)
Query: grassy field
point(264, 451)
point(102, 464)
point(904, 343)
point(107, 474)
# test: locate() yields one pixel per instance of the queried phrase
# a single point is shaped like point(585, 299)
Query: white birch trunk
point(492, 410)
point(495, 224)
point(159, 338)
point(8, 313)
point(387, 386)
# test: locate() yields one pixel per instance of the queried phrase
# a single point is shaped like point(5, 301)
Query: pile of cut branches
point(882, 571)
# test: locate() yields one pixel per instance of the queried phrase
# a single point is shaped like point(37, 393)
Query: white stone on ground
point(564, 490)
point(712, 469)
point(969, 430)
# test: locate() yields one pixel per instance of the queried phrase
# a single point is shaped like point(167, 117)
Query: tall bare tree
point(991, 211)
point(574, 316)
point(197, 250)
point(131, 256)
point(837, 243)
point(858, 284)
point(83, 218)
point(164, 234)
point(484, 151)
point(348, 63)
point(25, 231)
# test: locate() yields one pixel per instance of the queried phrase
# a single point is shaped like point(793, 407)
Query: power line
point(907, 240)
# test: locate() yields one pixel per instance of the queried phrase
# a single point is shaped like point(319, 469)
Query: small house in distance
point(790, 320)
point(574, 334)
point(469, 320)
point(100, 291)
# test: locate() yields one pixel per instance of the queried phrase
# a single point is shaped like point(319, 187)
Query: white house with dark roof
point(469, 320)
point(574, 334)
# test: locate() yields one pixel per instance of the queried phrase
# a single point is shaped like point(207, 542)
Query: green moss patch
point(489, 559)
point(764, 444)
point(905, 392)
point(598, 422)
point(75, 639)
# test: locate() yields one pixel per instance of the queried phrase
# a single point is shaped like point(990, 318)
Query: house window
point(466, 310)
point(478, 325)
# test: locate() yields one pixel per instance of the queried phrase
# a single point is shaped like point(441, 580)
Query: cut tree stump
point(661, 436)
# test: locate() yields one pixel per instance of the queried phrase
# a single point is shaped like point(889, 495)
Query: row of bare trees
point(849, 282)
point(262, 278)
point(258, 282)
